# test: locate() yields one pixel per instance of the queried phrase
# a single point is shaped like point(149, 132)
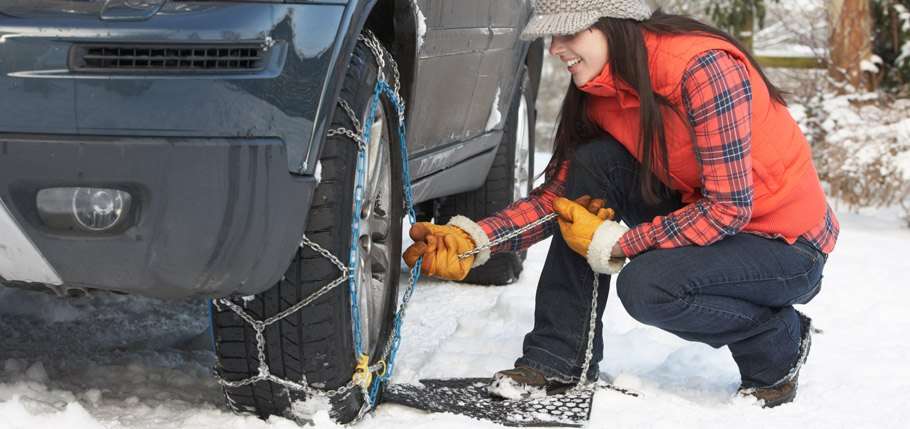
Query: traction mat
point(469, 397)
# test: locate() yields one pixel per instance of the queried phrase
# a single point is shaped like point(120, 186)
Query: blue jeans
point(737, 292)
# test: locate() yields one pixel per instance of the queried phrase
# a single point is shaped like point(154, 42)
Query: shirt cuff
point(490, 226)
point(477, 234)
point(637, 240)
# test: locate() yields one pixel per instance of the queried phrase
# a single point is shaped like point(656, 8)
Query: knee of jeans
point(643, 294)
point(595, 153)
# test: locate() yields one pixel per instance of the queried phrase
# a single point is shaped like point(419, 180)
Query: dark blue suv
point(177, 148)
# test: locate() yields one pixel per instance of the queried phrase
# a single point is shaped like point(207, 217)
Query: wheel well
point(534, 61)
point(395, 24)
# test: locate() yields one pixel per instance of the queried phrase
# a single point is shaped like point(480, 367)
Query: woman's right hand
point(440, 246)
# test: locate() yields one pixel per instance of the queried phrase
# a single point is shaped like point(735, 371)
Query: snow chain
point(368, 378)
point(592, 320)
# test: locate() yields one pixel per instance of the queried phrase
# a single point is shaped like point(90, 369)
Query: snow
point(506, 387)
point(871, 65)
point(904, 16)
point(495, 115)
point(793, 28)
point(112, 361)
point(871, 135)
point(421, 25)
point(789, 51)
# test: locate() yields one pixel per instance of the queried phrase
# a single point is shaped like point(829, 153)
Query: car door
point(468, 58)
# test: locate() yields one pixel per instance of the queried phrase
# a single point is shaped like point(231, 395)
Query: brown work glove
point(440, 246)
point(589, 235)
point(596, 206)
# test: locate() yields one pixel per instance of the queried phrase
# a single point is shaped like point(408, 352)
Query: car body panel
point(468, 63)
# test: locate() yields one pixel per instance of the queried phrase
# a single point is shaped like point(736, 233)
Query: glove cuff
point(476, 232)
point(605, 237)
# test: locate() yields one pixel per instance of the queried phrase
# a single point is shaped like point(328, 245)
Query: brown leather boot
point(784, 391)
point(772, 396)
point(524, 382)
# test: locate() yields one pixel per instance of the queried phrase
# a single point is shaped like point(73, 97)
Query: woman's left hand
point(596, 206)
point(593, 236)
point(578, 224)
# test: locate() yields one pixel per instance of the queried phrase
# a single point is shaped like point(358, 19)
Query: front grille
point(167, 58)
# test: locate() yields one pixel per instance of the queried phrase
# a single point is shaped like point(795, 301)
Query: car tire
point(509, 179)
point(317, 341)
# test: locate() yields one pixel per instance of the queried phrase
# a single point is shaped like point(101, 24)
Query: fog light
point(87, 209)
point(98, 209)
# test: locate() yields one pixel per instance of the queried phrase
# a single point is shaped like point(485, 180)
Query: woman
point(675, 125)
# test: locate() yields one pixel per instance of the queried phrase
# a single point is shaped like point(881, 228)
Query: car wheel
point(509, 179)
point(317, 342)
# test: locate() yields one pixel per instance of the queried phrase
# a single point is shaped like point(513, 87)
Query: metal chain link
point(592, 319)
point(396, 78)
point(260, 326)
point(361, 143)
point(370, 40)
point(382, 55)
point(347, 108)
point(509, 236)
point(583, 382)
point(413, 276)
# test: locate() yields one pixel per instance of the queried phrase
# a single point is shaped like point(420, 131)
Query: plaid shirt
point(723, 142)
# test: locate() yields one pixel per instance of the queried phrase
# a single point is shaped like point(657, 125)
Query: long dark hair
point(628, 60)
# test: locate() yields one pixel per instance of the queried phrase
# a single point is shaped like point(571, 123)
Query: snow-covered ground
point(124, 362)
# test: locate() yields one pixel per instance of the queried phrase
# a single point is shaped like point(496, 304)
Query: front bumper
point(212, 216)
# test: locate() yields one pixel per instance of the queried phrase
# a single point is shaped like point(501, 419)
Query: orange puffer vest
point(788, 198)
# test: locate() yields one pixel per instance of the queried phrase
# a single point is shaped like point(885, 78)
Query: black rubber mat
point(469, 397)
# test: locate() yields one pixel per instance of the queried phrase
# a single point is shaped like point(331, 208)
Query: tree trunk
point(850, 43)
point(746, 33)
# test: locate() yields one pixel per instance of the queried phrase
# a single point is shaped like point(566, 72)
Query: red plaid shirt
point(723, 150)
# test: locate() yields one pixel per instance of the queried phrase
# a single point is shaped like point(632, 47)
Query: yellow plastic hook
point(362, 375)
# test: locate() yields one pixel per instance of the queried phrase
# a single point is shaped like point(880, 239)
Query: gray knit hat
point(571, 16)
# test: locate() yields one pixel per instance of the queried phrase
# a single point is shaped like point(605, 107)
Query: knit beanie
point(571, 16)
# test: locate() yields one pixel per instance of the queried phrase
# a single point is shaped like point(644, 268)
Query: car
point(183, 148)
